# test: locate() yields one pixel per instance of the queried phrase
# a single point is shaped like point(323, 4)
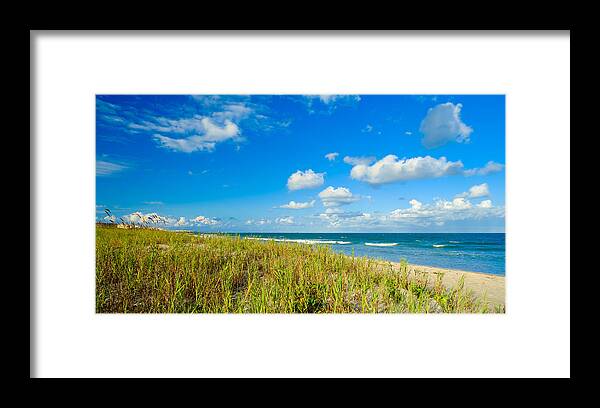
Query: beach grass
point(142, 270)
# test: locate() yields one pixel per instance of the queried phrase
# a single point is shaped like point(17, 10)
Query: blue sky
point(303, 163)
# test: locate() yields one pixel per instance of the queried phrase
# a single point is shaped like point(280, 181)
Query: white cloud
point(305, 179)
point(331, 156)
point(442, 124)
point(166, 125)
point(212, 133)
point(135, 218)
point(201, 133)
point(490, 167)
point(106, 107)
point(150, 218)
point(337, 218)
point(390, 169)
point(416, 205)
point(258, 222)
point(458, 203)
point(418, 214)
point(235, 111)
point(181, 222)
point(441, 211)
point(367, 129)
point(408, 133)
point(355, 161)
point(285, 220)
point(479, 190)
point(196, 124)
point(334, 197)
point(298, 206)
point(206, 221)
point(485, 204)
point(104, 168)
point(185, 145)
point(328, 99)
point(199, 124)
point(329, 103)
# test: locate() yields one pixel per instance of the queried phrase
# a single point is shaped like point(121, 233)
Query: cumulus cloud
point(418, 214)
point(490, 167)
point(211, 134)
point(298, 206)
point(391, 169)
point(441, 211)
point(337, 218)
point(415, 204)
point(205, 220)
point(285, 220)
point(479, 190)
point(181, 222)
point(150, 218)
point(331, 156)
point(305, 179)
point(197, 132)
point(199, 123)
point(334, 197)
point(485, 204)
point(442, 124)
point(459, 203)
point(355, 161)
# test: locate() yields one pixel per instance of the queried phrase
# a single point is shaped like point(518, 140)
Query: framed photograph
point(300, 204)
point(330, 194)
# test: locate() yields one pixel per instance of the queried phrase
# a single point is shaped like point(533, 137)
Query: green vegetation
point(152, 271)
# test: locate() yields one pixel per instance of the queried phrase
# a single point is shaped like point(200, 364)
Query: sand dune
point(479, 283)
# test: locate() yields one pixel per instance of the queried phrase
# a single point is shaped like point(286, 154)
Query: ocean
point(476, 252)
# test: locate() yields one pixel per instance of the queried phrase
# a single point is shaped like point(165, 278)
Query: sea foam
point(302, 241)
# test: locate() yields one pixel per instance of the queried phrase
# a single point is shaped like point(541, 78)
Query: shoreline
point(255, 277)
point(483, 284)
point(375, 257)
point(452, 269)
point(492, 286)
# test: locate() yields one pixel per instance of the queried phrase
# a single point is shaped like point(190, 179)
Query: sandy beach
point(480, 283)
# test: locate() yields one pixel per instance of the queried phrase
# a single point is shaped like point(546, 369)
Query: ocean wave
point(439, 246)
point(382, 244)
point(482, 243)
point(454, 242)
point(301, 241)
